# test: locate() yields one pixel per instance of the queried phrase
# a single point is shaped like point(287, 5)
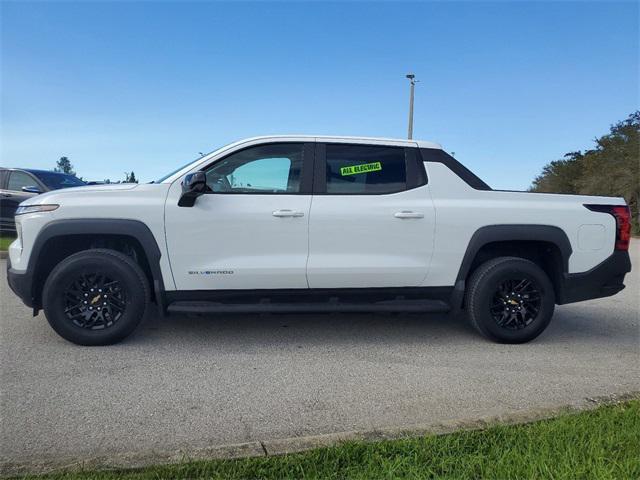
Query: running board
point(416, 306)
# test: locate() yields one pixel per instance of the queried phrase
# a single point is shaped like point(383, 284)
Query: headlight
point(35, 208)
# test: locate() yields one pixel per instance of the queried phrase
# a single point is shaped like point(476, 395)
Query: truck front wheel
point(95, 297)
point(510, 300)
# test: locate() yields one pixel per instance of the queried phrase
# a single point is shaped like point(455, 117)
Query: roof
point(346, 139)
point(34, 170)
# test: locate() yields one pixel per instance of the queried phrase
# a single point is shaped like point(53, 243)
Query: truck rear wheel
point(95, 297)
point(510, 300)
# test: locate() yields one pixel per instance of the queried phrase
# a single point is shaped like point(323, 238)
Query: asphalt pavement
point(182, 384)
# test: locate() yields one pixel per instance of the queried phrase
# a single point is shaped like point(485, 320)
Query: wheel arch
point(546, 245)
point(61, 238)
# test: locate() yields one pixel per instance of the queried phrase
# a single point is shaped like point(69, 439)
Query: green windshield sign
point(364, 168)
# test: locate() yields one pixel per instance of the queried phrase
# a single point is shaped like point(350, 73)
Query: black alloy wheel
point(509, 299)
point(95, 297)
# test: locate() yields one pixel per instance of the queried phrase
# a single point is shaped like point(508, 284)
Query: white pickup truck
point(315, 224)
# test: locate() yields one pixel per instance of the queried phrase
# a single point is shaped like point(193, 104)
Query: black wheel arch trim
point(79, 226)
point(504, 233)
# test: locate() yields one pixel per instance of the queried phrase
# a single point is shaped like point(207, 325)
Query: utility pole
point(412, 81)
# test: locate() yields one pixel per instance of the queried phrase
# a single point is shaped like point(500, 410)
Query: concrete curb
point(300, 444)
point(285, 446)
point(44, 465)
point(3, 254)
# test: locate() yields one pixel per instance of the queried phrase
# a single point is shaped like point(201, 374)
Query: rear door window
point(364, 169)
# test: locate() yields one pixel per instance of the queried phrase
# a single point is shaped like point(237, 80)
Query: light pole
point(412, 81)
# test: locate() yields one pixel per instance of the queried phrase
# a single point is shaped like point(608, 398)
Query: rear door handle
point(287, 213)
point(408, 214)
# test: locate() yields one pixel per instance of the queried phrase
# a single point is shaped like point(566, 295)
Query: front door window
point(265, 169)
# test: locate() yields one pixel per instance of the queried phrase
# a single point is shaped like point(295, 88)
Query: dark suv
point(20, 184)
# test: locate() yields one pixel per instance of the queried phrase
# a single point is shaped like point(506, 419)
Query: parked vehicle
point(316, 224)
point(20, 184)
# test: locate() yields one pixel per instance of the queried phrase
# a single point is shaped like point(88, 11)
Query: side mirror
point(193, 185)
point(31, 189)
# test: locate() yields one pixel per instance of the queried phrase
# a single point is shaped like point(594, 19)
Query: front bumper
point(603, 280)
point(21, 283)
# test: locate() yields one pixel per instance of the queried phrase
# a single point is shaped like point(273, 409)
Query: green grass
point(599, 444)
point(5, 240)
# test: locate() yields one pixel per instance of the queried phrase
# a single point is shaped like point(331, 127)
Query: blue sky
point(116, 86)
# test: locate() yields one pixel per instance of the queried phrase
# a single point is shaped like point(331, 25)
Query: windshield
point(55, 181)
point(162, 179)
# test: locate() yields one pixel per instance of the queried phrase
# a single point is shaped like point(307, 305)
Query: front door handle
point(408, 214)
point(287, 213)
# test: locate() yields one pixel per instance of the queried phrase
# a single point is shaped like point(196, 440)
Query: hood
point(102, 188)
point(73, 191)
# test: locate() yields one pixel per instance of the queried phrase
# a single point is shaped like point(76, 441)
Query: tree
point(560, 176)
point(612, 168)
point(64, 166)
point(130, 177)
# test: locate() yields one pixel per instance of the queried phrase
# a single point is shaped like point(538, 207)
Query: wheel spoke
point(115, 302)
point(504, 319)
point(521, 286)
point(72, 307)
point(75, 315)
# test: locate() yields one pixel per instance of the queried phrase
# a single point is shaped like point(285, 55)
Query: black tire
point(125, 295)
point(505, 316)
